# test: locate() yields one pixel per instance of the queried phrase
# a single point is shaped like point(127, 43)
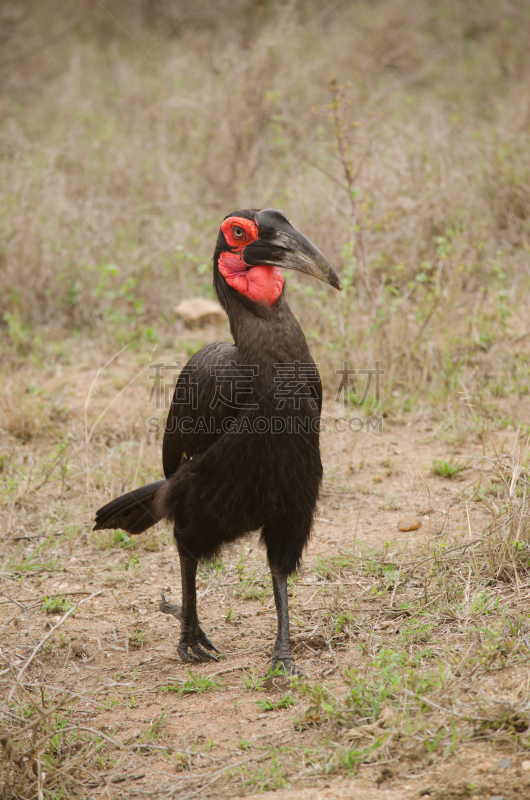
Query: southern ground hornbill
point(241, 446)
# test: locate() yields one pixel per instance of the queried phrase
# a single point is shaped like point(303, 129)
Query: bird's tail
point(133, 512)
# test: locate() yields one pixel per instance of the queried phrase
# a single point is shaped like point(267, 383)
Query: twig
point(351, 179)
point(45, 639)
point(25, 611)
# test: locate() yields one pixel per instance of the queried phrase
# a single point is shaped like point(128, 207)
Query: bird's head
point(253, 245)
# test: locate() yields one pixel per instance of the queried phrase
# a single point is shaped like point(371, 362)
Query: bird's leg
point(192, 637)
point(282, 655)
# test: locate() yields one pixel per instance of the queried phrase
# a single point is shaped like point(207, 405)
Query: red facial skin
point(261, 284)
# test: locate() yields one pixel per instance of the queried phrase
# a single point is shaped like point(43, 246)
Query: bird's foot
point(193, 644)
point(204, 640)
point(283, 667)
point(194, 640)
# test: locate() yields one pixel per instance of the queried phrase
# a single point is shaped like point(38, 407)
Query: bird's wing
point(210, 389)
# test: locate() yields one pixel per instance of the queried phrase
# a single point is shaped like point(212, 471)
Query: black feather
point(133, 512)
point(225, 474)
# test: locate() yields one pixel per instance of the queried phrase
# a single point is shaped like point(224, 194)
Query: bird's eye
point(238, 232)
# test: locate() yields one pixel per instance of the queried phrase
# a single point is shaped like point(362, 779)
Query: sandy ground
point(372, 483)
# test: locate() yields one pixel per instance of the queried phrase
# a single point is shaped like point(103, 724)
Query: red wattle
point(261, 284)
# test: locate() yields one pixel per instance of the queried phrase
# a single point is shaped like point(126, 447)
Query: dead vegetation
point(414, 651)
point(414, 181)
point(396, 134)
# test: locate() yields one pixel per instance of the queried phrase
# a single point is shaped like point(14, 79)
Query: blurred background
point(393, 133)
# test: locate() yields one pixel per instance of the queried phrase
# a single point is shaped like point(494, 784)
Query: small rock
point(525, 765)
point(409, 524)
point(497, 797)
point(196, 312)
point(506, 763)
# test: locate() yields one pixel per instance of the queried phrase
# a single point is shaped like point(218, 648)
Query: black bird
point(241, 446)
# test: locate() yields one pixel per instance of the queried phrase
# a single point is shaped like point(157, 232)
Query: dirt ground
point(214, 740)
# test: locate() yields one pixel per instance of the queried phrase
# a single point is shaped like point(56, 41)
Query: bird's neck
point(275, 337)
point(263, 334)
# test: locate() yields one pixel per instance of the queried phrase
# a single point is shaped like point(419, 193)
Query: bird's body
point(256, 474)
point(241, 446)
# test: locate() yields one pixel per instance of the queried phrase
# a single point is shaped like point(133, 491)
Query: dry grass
point(48, 749)
point(151, 129)
point(425, 646)
point(124, 138)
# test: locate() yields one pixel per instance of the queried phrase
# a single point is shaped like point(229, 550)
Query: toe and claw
point(196, 644)
point(197, 654)
point(192, 643)
point(283, 664)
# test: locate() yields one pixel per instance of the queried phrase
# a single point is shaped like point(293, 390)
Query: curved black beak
point(281, 245)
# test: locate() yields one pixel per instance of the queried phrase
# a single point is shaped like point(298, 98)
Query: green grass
point(57, 604)
point(253, 681)
point(107, 540)
point(138, 638)
point(272, 775)
point(31, 565)
point(195, 684)
point(154, 731)
point(268, 704)
point(251, 587)
point(446, 469)
point(212, 569)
